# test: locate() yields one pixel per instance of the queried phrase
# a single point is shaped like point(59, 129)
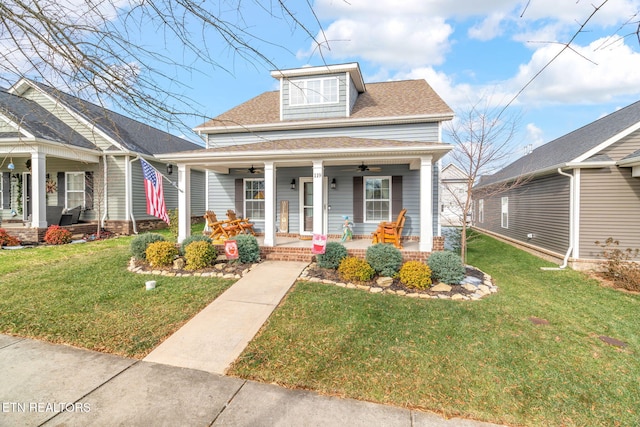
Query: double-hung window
point(505, 212)
point(75, 190)
point(254, 198)
point(313, 91)
point(377, 199)
point(481, 210)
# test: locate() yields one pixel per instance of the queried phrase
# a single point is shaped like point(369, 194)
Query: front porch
point(292, 248)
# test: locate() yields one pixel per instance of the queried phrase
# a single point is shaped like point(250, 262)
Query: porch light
point(334, 184)
point(169, 168)
point(11, 166)
point(293, 184)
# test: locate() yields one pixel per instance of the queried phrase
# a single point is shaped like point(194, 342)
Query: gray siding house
point(59, 152)
point(578, 189)
point(325, 146)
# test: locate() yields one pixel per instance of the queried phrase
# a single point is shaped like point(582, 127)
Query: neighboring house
point(578, 189)
point(326, 146)
point(59, 152)
point(453, 195)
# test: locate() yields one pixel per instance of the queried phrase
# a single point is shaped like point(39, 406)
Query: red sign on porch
point(318, 244)
point(231, 249)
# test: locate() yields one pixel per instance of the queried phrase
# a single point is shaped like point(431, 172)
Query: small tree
point(482, 137)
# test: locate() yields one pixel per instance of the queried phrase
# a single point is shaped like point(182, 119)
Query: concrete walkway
point(56, 385)
point(216, 336)
point(179, 383)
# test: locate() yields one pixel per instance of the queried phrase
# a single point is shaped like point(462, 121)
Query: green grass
point(478, 359)
point(83, 295)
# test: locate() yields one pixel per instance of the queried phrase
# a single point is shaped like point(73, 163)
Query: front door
point(307, 210)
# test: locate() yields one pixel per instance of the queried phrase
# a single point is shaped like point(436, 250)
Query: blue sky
point(466, 50)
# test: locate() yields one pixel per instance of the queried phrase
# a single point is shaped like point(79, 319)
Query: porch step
point(286, 254)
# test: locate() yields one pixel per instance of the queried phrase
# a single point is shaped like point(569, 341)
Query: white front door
point(307, 210)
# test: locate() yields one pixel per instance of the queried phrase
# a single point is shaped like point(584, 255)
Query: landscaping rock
point(384, 282)
point(470, 287)
point(179, 264)
point(457, 297)
point(375, 290)
point(441, 287)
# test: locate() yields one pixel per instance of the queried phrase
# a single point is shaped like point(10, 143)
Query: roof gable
point(127, 134)
point(583, 144)
point(386, 100)
point(27, 116)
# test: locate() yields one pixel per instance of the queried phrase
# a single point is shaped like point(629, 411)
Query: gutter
point(565, 261)
point(104, 190)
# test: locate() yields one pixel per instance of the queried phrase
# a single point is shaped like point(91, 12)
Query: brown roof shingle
point(404, 98)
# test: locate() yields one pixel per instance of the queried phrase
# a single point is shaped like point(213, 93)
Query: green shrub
point(446, 267)
point(200, 254)
point(385, 259)
point(191, 239)
point(333, 254)
point(173, 222)
point(415, 274)
point(354, 269)
point(7, 240)
point(159, 254)
point(141, 241)
point(248, 248)
point(57, 235)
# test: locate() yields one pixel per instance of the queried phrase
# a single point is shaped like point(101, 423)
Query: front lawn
point(478, 359)
point(83, 295)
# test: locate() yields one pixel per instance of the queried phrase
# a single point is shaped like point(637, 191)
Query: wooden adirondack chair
point(245, 225)
point(220, 230)
point(391, 232)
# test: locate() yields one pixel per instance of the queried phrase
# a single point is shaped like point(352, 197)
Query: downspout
point(571, 225)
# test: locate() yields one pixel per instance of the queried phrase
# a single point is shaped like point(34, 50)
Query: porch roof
point(300, 151)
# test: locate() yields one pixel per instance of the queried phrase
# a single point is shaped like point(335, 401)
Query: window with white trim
point(254, 198)
point(2, 192)
point(313, 91)
point(377, 199)
point(74, 190)
point(481, 210)
point(505, 212)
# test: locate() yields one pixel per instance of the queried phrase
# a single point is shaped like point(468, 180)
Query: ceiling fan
point(251, 170)
point(364, 168)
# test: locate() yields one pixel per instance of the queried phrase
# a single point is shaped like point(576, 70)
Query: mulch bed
point(223, 266)
point(330, 274)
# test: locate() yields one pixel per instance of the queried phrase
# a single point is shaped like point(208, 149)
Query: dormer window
point(313, 91)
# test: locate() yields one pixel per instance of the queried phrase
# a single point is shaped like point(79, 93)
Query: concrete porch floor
point(295, 242)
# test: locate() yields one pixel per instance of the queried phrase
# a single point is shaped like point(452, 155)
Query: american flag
point(154, 192)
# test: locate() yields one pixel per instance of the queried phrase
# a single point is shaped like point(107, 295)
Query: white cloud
point(489, 28)
point(534, 135)
point(586, 74)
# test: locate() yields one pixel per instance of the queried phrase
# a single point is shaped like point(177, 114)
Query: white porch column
point(269, 204)
point(426, 204)
point(318, 191)
point(39, 190)
point(184, 202)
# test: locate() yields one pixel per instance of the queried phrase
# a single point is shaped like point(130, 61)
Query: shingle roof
point(131, 134)
point(296, 144)
point(404, 98)
point(570, 146)
point(37, 121)
point(635, 154)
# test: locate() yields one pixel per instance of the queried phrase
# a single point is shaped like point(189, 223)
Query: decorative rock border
point(479, 288)
point(181, 273)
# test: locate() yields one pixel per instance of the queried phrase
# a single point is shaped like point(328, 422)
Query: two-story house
point(324, 147)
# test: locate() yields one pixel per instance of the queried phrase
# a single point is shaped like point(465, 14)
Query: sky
point(467, 50)
point(502, 53)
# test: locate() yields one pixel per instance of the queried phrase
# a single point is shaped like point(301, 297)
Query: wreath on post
point(51, 187)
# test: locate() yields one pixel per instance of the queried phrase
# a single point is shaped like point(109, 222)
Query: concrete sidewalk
point(56, 385)
point(216, 336)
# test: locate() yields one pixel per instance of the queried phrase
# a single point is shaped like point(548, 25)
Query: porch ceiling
point(301, 152)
